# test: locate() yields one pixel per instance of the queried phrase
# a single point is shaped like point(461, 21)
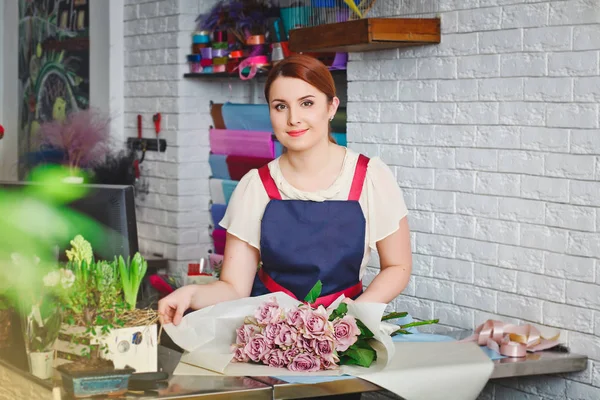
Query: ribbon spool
point(236, 54)
point(513, 340)
point(220, 36)
point(206, 53)
point(220, 61)
point(217, 53)
point(255, 39)
point(206, 62)
point(201, 38)
point(220, 45)
point(218, 68)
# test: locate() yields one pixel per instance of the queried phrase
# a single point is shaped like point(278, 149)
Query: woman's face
point(300, 113)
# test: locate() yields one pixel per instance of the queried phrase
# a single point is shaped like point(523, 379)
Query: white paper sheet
point(413, 370)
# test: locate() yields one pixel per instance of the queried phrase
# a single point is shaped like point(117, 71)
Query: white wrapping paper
point(406, 369)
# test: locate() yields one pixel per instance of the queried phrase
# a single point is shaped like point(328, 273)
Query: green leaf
point(339, 312)
point(361, 356)
point(420, 323)
point(314, 293)
point(394, 315)
point(364, 331)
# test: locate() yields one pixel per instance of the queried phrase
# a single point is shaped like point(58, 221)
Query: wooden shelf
point(366, 34)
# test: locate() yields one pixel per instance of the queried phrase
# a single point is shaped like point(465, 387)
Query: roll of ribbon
point(197, 47)
point(199, 38)
point(220, 36)
point(254, 63)
point(236, 54)
point(255, 39)
point(207, 70)
point(206, 52)
point(256, 50)
point(232, 65)
point(220, 45)
point(216, 53)
point(220, 60)
point(218, 68)
point(276, 52)
point(206, 62)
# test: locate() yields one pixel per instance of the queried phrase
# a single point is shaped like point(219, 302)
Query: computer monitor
point(111, 206)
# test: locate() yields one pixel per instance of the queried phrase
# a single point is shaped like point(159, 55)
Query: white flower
point(68, 278)
point(52, 279)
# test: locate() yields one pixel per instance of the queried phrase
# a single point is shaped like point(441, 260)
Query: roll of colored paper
point(278, 148)
point(340, 138)
point(217, 212)
point(219, 236)
point(239, 166)
point(228, 188)
point(252, 117)
point(339, 120)
point(241, 143)
point(218, 166)
point(217, 116)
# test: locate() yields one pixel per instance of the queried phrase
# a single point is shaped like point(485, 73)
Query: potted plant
point(104, 337)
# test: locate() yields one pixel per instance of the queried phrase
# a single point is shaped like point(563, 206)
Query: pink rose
point(323, 347)
point(329, 362)
point(294, 317)
point(286, 336)
point(305, 362)
point(268, 313)
point(315, 322)
point(257, 348)
point(239, 355)
point(304, 343)
point(245, 332)
point(276, 358)
point(345, 332)
point(271, 331)
point(291, 353)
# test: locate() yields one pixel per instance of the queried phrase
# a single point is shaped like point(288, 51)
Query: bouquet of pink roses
point(308, 339)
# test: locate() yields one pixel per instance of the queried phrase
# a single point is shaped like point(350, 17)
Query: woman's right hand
point(172, 307)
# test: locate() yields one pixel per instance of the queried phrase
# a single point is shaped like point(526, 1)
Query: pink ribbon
point(513, 340)
point(254, 62)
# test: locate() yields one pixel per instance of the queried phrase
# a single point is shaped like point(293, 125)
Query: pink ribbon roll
point(254, 63)
point(513, 340)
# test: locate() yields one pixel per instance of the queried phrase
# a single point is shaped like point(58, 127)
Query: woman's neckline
point(334, 185)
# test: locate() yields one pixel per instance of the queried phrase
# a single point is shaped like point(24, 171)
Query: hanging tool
point(136, 163)
point(157, 118)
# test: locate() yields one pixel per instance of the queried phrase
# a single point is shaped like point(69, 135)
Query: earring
point(331, 119)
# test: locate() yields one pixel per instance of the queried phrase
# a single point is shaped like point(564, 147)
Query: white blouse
point(381, 200)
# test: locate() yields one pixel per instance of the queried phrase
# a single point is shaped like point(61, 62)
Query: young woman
point(315, 213)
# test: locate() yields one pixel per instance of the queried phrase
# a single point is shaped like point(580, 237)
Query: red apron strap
point(269, 183)
point(359, 178)
point(325, 301)
point(351, 292)
point(271, 285)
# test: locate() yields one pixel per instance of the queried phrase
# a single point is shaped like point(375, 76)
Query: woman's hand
point(172, 307)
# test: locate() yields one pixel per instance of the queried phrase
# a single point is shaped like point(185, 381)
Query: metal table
point(256, 388)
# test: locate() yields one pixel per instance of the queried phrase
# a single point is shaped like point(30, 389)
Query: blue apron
point(302, 242)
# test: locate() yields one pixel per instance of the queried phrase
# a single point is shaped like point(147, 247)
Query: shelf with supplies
point(263, 73)
point(366, 34)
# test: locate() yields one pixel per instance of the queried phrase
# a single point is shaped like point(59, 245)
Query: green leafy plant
point(132, 274)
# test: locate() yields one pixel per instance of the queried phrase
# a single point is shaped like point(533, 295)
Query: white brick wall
point(494, 137)
point(173, 218)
